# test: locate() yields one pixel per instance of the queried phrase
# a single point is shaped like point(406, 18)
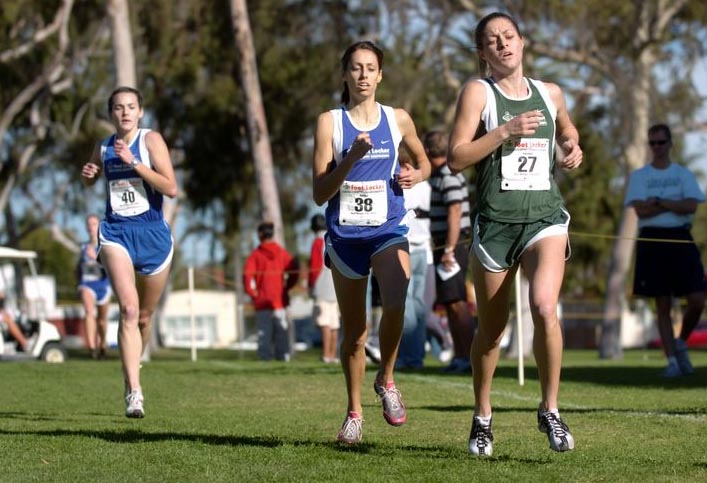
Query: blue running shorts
point(148, 244)
point(353, 260)
point(100, 289)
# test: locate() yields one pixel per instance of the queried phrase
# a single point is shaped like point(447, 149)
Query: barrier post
point(192, 321)
point(519, 331)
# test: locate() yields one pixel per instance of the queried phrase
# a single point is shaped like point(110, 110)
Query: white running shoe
point(392, 401)
point(446, 355)
point(558, 433)
point(351, 431)
point(134, 404)
point(373, 353)
point(481, 438)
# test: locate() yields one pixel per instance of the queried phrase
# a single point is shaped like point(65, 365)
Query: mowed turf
point(231, 418)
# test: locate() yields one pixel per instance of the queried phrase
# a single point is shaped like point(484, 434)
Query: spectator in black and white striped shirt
point(451, 236)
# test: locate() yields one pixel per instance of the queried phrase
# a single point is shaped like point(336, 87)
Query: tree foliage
point(188, 72)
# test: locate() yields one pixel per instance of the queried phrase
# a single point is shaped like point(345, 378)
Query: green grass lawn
point(231, 418)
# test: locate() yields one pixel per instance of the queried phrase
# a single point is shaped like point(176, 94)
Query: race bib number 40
point(92, 271)
point(128, 197)
point(525, 165)
point(363, 203)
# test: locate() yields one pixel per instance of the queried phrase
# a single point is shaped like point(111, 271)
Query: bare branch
point(667, 10)
point(59, 236)
point(50, 75)
point(449, 78)
point(696, 126)
point(588, 58)
point(60, 18)
point(7, 188)
point(471, 7)
point(17, 104)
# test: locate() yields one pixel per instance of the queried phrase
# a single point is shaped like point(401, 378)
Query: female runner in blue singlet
point(94, 290)
point(135, 241)
point(357, 173)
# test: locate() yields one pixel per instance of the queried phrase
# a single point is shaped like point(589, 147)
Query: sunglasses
point(658, 143)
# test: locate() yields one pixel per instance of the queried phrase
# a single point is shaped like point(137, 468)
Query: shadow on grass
point(698, 411)
point(434, 371)
point(39, 417)
point(28, 416)
point(467, 408)
point(531, 408)
point(274, 369)
point(631, 376)
point(440, 452)
point(136, 436)
point(429, 452)
point(607, 373)
point(614, 375)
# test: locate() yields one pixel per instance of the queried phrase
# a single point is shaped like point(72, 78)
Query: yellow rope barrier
point(615, 237)
point(468, 241)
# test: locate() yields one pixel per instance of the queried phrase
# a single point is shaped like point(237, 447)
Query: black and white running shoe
point(558, 433)
point(481, 438)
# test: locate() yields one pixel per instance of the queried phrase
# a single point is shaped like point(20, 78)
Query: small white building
point(215, 321)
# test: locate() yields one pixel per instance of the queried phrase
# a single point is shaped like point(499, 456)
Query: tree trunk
point(257, 124)
point(528, 327)
point(123, 51)
point(610, 334)
point(126, 75)
point(53, 72)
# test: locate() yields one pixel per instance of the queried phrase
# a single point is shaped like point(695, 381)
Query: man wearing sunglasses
point(665, 196)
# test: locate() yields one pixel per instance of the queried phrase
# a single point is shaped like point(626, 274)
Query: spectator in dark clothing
point(451, 234)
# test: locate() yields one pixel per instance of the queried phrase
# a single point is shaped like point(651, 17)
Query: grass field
point(231, 418)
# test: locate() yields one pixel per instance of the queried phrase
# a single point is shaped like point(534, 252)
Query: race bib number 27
point(525, 165)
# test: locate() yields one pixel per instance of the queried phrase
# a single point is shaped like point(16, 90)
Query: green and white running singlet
point(515, 183)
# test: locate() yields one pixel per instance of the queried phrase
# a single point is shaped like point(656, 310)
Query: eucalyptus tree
point(258, 132)
point(192, 69)
point(122, 41)
point(36, 42)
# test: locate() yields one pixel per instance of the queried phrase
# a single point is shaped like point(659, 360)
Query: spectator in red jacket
point(269, 273)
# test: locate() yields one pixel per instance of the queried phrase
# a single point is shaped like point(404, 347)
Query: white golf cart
point(45, 338)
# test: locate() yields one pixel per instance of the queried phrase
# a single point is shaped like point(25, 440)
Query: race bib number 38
point(363, 203)
point(128, 197)
point(525, 165)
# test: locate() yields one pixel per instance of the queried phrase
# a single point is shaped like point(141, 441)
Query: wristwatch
point(134, 162)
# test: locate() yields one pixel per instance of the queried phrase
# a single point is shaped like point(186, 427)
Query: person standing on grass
point(8, 320)
point(665, 196)
point(509, 126)
point(135, 242)
point(269, 273)
point(420, 295)
point(451, 233)
point(356, 172)
point(321, 287)
point(94, 290)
